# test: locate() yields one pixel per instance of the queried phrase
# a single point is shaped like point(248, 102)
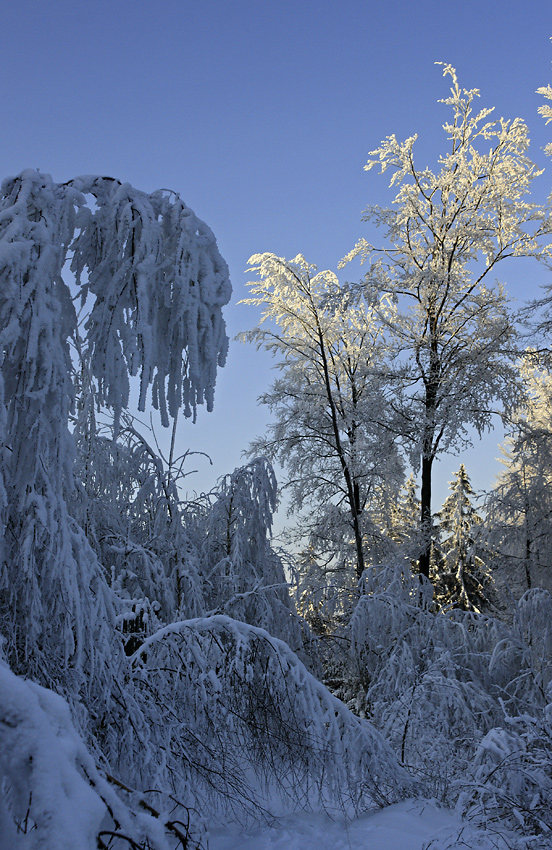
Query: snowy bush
point(238, 715)
point(52, 794)
point(461, 696)
point(512, 774)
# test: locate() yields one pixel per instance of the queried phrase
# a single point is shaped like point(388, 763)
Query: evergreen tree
point(460, 576)
point(405, 521)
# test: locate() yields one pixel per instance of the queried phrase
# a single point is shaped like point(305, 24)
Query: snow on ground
point(410, 825)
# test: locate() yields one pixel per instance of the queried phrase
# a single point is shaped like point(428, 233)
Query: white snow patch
point(409, 825)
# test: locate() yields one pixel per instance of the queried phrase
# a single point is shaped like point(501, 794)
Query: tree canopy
point(449, 326)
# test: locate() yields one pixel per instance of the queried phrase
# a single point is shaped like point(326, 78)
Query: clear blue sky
point(260, 113)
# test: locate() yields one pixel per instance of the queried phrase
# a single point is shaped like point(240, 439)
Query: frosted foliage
point(512, 767)
point(405, 519)
point(546, 110)
point(159, 283)
point(447, 231)
point(463, 697)
point(217, 685)
point(329, 407)
point(244, 576)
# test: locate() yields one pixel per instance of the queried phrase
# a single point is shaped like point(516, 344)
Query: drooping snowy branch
point(159, 283)
point(246, 694)
point(54, 795)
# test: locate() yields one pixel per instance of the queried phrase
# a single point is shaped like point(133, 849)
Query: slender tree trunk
point(356, 510)
point(353, 493)
point(428, 446)
point(526, 529)
point(527, 550)
point(425, 498)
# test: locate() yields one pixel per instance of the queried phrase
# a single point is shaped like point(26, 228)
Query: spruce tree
point(460, 576)
point(405, 521)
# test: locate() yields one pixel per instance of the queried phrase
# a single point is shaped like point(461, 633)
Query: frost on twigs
point(546, 110)
point(332, 430)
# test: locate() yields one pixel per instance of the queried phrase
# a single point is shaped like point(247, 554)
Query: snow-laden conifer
point(405, 521)
point(461, 578)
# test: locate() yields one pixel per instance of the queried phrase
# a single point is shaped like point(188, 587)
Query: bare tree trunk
point(356, 510)
point(527, 550)
point(353, 493)
point(425, 497)
point(431, 381)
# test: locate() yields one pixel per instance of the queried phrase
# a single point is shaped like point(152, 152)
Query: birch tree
point(329, 406)
point(448, 323)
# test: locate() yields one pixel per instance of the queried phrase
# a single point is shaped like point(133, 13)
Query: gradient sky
point(261, 114)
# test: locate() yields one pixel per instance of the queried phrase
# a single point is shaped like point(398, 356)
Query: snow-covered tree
point(461, 578)
point(405, 520)
point(158, 285)
point(331, 431)
point(449, 326)
point(243, 575)
point(519, 508)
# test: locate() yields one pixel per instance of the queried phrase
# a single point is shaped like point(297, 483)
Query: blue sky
point(261, 113)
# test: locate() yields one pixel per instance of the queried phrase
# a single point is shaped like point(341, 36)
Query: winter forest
point(165, 667)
